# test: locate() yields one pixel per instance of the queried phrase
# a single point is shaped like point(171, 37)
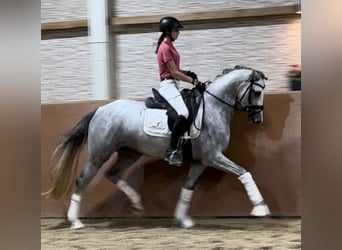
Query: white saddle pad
point(155, 123)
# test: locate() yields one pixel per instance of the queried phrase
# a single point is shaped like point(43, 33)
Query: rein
point(219, 99)
point(203, 100)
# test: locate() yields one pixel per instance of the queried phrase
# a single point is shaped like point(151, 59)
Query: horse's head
point(250, 96)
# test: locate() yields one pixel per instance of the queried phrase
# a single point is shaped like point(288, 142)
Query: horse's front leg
point(183, 204)
point(221, 162)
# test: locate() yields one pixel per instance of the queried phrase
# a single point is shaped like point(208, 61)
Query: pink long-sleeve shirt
point(167, 52)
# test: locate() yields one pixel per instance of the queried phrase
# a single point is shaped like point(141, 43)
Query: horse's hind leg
point(126, 159)
point(183, 204)
point(82, 182)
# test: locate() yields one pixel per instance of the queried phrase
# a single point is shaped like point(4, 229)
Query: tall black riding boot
point(173, 155)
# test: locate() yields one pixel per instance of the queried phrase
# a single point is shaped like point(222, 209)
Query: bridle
point(251, 109)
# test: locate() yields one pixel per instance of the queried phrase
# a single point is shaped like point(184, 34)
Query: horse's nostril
point(255, 118)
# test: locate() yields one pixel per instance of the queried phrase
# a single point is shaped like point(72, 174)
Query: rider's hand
point(200, 86)
point(193, 76)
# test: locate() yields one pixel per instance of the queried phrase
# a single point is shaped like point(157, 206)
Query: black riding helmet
point(169, 24)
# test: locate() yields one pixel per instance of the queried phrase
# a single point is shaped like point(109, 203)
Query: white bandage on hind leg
point(130, 192)
point(74, 207)
point(183, 203)
point(251, 188)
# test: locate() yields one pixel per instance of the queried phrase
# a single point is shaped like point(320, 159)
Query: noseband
point(251, 109)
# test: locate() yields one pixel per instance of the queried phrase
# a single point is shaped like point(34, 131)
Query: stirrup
point(174, 157)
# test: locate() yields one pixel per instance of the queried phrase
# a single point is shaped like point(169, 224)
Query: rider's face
point(175, 33)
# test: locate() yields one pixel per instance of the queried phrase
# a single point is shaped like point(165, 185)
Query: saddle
point(191, 97)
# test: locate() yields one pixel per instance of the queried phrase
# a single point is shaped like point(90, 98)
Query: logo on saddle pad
point(155, 124)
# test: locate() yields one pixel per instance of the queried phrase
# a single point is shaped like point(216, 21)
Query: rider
point(170, 74)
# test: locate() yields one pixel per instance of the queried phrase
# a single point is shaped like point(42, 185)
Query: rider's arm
point(177, 74)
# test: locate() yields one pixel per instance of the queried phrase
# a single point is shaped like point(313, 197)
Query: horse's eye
point(256, 93)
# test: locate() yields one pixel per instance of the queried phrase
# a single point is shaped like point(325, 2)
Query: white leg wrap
point(131, 193)
point(182, 208)
point(251, 188)
point(260, 209)
point(74, 207)
point(74, 210)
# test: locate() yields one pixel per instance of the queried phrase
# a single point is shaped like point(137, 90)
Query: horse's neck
point(221, 107)
point(224, 89)
point(227, 86)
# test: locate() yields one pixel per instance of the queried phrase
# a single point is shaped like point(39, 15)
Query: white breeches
point(169, 90)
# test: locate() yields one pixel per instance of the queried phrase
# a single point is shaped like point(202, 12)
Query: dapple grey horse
point(118, 125)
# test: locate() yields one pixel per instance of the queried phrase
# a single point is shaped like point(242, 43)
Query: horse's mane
point(238, 67)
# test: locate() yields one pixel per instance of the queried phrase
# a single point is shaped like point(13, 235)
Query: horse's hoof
point(138, 206)
point(260, 210)
point(136, 212)
point(137, 209)
point(186, 222)
point(76, 225)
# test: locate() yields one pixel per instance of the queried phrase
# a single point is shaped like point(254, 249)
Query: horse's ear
point(226, 71)
point(252, 76)
point(262, 75)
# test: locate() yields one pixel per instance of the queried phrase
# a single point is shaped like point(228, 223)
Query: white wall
point(269, 48)
point(152, 7)
point(66, 65)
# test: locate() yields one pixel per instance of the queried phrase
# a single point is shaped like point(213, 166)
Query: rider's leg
point(171, 93)
point(173, 154)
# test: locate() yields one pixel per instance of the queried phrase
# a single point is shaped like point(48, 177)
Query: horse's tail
point(67, 152)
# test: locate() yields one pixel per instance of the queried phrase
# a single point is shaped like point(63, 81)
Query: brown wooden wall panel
point(271, 152)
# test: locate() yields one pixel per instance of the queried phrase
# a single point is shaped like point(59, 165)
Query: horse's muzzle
point(255, 117)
